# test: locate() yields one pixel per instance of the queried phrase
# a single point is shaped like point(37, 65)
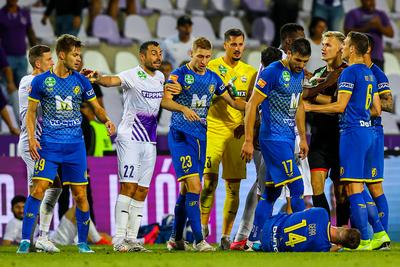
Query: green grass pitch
point(104, 256)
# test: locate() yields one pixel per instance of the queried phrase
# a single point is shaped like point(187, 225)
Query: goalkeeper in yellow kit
point(224, 135)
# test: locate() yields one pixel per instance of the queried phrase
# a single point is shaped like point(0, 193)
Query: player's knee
point(38, 191)
point(232, 189)
point(317, 186)
point(141, 193)
point(375, 189)
point(128, 189)
point(79, 196)
point(193, 185)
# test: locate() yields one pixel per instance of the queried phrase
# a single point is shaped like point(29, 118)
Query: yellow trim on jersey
point(345, 91)
point(328, 231)
point(43, 179)
point(288, 181)
point(269, 183)
point(71, 183)
point(33, 99)
point(354, 180)
point(187, 176)
point(384, 91)
point(93, 98)
point(260, 92)
point(374, 181)
point(198, 146)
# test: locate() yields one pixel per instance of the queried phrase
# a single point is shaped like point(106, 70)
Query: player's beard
point(151, 67)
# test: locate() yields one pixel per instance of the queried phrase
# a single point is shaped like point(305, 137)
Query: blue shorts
point(355, 153)
point(378, 152)
point(188, 154)
point(279, 162)
point(70, 158)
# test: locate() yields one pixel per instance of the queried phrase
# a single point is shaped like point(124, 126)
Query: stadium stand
point(166, 26)
point(136, 28)
point(106, 28)
point(125, 60)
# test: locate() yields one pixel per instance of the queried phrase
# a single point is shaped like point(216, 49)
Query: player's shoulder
point(26, 81)
point(211, 73)
point(79, 76)
point(215, 62)
point(317, 213)
point(246, 68)
point(378, 72)
point(42, 77)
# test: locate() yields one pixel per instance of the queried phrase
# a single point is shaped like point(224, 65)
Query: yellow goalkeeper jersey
point(220, 113)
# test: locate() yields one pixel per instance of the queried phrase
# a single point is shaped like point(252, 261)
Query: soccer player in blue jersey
point(60, 92)
point(358, 100)
point(187, 136)
point(278, 91)
point(306, 231)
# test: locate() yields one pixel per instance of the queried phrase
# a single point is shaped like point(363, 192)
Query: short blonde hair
point(201, 42)
point(336, 34)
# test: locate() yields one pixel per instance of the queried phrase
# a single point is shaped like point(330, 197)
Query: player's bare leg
point(210, 183)
point(318, 185)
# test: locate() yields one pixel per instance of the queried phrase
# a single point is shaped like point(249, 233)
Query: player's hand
point(247, 151)
point(190, 115)
point(92, 75)
point(110, 128)
point(308, 74)
point(307, 105)
point(33, 149)
point(239, 131)
point(303, 149)
point(174, 88)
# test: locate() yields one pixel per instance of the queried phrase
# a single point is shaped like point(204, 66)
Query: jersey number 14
point(295, 238)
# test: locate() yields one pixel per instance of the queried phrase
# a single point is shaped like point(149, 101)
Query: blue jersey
point(282, 89)
point(304, 231)
point(60, 99)
point(358, 81)
point(383, 87)
point(197, 92)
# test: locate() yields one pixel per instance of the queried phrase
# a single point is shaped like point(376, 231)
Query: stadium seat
point(125, 60)
point(394, 80)
point(392, 65)
point(140, 10)
point(195, 7)
point(112, 100)
point(104, 27)
point(44, 32)
point(383, 5)
point(166, 26)
point(395, 40)
point(164, 6)
point(136, 28)
point(229, 22)
point(254, 59)
point(349, 5)
point(87, 40)
point(94, 60)
point(222, 6)
point(306, 8)
point(202, 27)
point(255, 5)
point(263, 29)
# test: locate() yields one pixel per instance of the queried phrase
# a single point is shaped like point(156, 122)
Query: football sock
point(383, 209)
point(82, 224)
point(373, 217)
point(135, 218)
point(180, 217)
point(248, 214)
point(231, 206)
point(342, 213)
point(121, 215)
point(93, 234)
point(320, 201)
point(193, 213)
point(296, 194)
point(31, 210)
point(50, 199)
point(359, 214)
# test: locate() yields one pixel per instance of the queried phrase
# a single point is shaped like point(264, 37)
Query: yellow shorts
point(223, 146)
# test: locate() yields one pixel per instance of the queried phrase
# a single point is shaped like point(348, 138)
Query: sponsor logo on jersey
point(189, 79)
point(286, 76)
point(211, 88)
point(147, 94)
point(141, 74)
point(63, 104)
point(241, 93)
point(222, 70)
point(173, 77)
point(50, 82)
point(77, 89)
point(346, 85)
point(261, 83)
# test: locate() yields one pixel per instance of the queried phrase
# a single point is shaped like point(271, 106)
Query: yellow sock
point(231, 206)
point(207, 199)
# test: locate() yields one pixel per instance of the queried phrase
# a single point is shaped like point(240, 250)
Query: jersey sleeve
point(382, 83)
point(36, 92)
point(126, 78)
point(265, 82)
point(176, 76)
point(346, 81)
point(88, 92)
point(220, 86)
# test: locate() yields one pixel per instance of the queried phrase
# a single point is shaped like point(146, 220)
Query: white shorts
point(23, 149)
point(136, 162)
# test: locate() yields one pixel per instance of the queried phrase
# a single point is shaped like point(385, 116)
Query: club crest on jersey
point(222, 70)
point(141, 75)
point(77, 89)
point(50, 82)
point(189, 79)
point(211, 88)
point(341, 171)
point(261, 83)
point(243, 79)
point(286, 76)
point(374, 172)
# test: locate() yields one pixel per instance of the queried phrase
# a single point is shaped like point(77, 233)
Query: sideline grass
point(104, 256)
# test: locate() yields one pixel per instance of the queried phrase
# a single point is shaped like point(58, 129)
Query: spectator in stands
point(6, 116)
point(317, 27)
point(177, 48)
point(368, 19)
point(13, 231)
point(283, 12)
point(68, 16)
point(331, 10)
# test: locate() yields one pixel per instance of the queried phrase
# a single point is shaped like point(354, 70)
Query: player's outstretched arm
point(301, 127)
point(168, 103)
point(249, 120)
point(337, 107)
point(106, 81)
point(376, 108)
point(30, 127)
point(237, 103)
point(102, 116)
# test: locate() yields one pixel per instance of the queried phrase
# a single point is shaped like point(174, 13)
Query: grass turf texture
point(104, 256)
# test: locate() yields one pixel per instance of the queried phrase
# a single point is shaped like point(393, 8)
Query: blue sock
point(31, 210)
point(82, 223)
point(296, 194)
point(180, 217)
point(359, 214)
point(263, 211)
point(383, 209)
point(193, 213)
point(373, 217)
